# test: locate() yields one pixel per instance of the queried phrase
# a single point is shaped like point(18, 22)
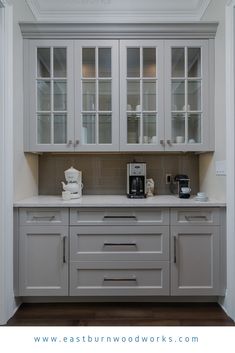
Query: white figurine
point(150, 187)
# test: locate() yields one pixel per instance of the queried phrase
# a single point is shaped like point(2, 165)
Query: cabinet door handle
point(70, 142)
point(198, 218)
point(162, 142)
point(169, 142)
point(64, 249)
point(76, 143)
point(175, 249)
point(120, 217)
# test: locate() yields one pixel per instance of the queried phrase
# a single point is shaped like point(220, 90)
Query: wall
point(216, 185)
point(106, 173)
point(25, 166)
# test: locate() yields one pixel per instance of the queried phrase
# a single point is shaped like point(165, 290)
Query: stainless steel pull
point(76, 143)
point(64, 249)
point(44, 218)
point(197, 218)
point(120, 244)
point(120, 279)
point(120, 217)
point(70, 142)
point(162, 142)
point(175, 248)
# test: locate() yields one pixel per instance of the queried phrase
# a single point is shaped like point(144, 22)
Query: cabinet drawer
point(195, 216)
point(119, 278)
point(44, 216)
point(119, 216)
point(119, 243)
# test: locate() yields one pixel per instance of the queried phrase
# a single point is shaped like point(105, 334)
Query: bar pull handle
point(110, 280)
point(120, 244)
point(64, 249)
point(175, 249)
point(197, 218)
point(120, 217)
point(44, 218)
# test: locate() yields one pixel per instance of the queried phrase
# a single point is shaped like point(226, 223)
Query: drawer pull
point(175, 248)
point(120, 279)
point(120, 217)
point(114, 245)
point(64, 250)
point(120, 244)
point(197, 218)
point(44, 218)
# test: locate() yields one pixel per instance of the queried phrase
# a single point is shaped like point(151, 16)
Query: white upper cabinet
point(188, 119)
point(140, 88)
point(49, 95)
point(72, 96)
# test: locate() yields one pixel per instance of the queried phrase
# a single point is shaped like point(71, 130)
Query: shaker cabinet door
point(195, 261)
point(43, 260)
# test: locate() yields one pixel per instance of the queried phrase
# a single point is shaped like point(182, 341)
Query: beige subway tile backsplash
point(106, 173)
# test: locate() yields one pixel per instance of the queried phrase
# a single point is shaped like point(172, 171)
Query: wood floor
point(120, 314)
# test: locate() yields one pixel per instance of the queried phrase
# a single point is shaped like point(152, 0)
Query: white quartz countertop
point(116, 201)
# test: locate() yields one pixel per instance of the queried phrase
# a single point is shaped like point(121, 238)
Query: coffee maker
point(136, 180)
point(183, 186)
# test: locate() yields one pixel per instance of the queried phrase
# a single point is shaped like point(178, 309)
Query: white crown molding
point(199, 30)
point(79, 13)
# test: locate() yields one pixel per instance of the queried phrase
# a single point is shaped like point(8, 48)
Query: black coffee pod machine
point(183, 186)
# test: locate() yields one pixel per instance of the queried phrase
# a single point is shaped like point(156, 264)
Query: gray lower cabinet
point(124, 278)
point(119, 260)
point(196, 260)
point(198, 238)
point(43, 260)
point(122, 251)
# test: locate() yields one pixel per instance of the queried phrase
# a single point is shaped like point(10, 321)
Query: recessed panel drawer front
point(117, 216)
point(44, 216)
point(119, 278)
point(119, 243)
point(195, 216)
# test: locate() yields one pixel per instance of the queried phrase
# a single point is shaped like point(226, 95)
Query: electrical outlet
point(168, 178)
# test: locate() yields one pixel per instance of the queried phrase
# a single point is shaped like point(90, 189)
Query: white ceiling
point(118, 10)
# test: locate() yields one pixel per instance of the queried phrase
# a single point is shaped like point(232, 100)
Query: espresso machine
point(136, 180)
point(183, 186)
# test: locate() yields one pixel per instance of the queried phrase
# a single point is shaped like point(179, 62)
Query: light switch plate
point(220, 167)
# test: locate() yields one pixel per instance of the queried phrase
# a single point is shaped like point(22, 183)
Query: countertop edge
point(118, 201)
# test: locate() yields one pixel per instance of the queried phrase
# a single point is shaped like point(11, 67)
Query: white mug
point(179, 139)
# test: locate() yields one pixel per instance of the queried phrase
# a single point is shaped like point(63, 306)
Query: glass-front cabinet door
point(141, 95)
point(50, 96)
point(187, 96)
point(96, 95)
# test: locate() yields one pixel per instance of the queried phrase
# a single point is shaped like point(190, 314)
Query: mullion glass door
point(186, 95)
point(51, 88)
point(141, 95)
point(96, 85)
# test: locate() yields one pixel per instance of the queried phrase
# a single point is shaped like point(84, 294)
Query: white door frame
point(7, 304)
point(229, 302)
